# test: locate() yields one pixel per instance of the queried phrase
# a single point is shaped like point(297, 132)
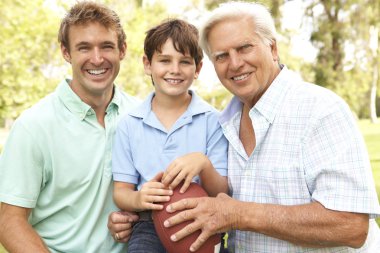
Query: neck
point(172, 102)
point(98, 101)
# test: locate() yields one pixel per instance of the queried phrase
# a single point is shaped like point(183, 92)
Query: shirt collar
point(75, 105)
point(270, 102)
point(196, 106)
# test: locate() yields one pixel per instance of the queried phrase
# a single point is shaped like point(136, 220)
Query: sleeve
point(217, 144)
point(21, 168)
point(336, 163)
point(123, 169)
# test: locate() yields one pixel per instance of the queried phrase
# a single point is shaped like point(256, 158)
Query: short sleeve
point(21, 168)
point(336, 163)
point(123, 169)
point(217, 144)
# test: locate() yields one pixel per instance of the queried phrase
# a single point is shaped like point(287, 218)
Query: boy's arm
point(212, 181)
point(16, 234)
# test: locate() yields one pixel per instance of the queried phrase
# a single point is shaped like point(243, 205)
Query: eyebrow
point(183, 56)
point(218, 53)
point(84, 43)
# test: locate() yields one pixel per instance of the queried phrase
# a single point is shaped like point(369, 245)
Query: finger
point(117, 227)
point(121, 218)
point(124, 235)
point(177, 180)
point(188, 203)
point(187, 230)
point(157, 198)
point(170, 173)
point(202, 238)
point(153, 185)
point(154, 192)
point(158, 177)
point(152, 206)
point(186, 184)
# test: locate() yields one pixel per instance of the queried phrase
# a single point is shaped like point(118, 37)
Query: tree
point(28, 54)
point(345, 62)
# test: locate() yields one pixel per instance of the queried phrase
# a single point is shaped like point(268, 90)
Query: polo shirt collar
point(270, 102)
point(75, 105)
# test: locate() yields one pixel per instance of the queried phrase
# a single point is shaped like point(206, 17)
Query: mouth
point(173, 81)
point(241, 77)
point(96, 72)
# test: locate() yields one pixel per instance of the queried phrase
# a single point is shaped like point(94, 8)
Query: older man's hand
point(210, 215)
point(120, 225)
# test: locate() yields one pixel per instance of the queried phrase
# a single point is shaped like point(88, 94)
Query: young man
point(55, 169)
point(173, 132)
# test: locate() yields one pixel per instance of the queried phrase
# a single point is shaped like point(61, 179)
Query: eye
point(221, 57)
point(245, 48)
point(82, 49)
point(187, 62)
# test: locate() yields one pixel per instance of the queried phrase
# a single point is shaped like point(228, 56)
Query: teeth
point(238, 78)
point(173, 81)
point(96, 71)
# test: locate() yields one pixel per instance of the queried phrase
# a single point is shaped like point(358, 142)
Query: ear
point(198, 70)
point(274, 50)
point(65, 53)
point(147, 66)
point(123, 51)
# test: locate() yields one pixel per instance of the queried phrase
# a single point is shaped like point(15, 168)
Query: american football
point(182, 246)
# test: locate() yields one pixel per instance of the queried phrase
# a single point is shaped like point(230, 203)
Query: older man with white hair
point(298, 169)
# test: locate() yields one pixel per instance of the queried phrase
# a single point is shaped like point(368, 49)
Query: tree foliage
point(28, 51)
point(31, 64)
point(344, 62)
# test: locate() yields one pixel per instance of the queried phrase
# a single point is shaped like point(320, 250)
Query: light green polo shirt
point(57, 160)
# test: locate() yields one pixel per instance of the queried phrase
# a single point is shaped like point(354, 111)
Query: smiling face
point(245, 65)
point(171, 71)
point(95, 59)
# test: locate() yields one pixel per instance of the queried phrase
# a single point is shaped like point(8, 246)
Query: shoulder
point(41, 112)
point(314, 99)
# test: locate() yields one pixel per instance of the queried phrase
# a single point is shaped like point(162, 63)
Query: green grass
point(371, 133)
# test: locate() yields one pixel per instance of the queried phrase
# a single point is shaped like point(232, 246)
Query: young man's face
point(171, 71)
point(95, 58)
point(245, 65)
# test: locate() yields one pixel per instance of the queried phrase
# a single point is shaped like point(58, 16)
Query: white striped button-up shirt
point(308, 148)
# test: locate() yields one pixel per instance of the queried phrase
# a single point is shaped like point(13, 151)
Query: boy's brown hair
point(183, 34)
point(85, 12)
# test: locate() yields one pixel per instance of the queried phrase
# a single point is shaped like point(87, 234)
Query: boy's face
point(95, 58)
point(171, 71)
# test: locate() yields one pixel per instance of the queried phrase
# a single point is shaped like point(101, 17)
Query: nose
point(236, 60)
point(174, 68)
point(97, 57)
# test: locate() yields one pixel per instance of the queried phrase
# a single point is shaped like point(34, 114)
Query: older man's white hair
point(261, 17)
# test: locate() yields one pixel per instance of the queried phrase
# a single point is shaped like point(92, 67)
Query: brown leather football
point(182, 246)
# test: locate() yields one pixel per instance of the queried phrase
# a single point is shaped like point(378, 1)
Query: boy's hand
point(185, 168)
point(153, 192)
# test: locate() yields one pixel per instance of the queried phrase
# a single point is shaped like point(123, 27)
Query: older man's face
point(245, 65)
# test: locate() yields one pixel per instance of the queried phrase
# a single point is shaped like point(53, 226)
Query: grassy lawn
point(371, 133)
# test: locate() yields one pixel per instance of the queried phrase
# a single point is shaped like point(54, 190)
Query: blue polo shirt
point(143, 147)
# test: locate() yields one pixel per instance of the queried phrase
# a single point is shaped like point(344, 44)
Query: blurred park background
point(333, 43)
